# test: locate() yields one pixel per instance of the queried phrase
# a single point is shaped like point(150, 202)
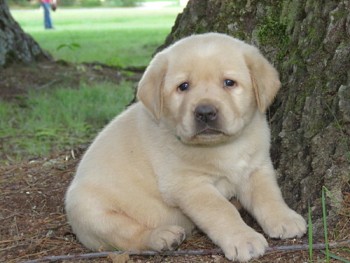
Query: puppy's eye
point(183, 86)
point(229, 83)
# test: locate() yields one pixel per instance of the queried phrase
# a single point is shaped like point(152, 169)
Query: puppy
point(197, 137)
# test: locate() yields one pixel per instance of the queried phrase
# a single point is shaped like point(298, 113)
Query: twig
point(199, 252)
point(48, 84)
point(10, 216)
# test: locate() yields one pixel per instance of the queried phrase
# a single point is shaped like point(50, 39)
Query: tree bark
point(309, 43)
point(15, 45)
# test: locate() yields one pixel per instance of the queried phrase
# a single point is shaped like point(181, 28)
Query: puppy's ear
point(264, 76)
point(150, 87)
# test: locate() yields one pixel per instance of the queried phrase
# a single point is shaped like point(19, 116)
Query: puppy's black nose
point(205, 113)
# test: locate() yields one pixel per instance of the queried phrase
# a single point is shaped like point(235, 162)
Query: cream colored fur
point(151, 176)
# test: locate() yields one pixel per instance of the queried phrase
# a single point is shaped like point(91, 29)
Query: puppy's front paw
point(245, 246)
point(285, 224)
point(166, 238)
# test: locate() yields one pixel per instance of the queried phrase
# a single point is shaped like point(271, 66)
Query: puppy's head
point(206, 88)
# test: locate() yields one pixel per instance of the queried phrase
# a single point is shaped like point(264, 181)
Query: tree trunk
point(15, 45)
point(309, 43)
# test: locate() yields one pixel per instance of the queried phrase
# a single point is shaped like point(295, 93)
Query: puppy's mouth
point(205, 137)
point(209, 131)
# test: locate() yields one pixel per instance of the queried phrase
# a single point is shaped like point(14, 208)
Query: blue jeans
point(47, 17)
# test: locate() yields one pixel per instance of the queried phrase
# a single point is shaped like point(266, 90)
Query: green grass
point(59, 119)
point(325, 225)
point(65, 117)
point(114, 36)
point(310, 234)
point(328, 255)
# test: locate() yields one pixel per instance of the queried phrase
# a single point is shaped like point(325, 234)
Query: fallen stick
point(197, 252)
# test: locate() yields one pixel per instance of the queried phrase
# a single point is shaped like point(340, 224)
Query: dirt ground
point(16, 80)
point(32, 218)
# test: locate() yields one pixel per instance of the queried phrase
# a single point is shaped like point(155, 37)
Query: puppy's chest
point(233, 173)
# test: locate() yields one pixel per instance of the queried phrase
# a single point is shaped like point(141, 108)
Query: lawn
point(59, 119)
point(67, 114)
point(114, 36)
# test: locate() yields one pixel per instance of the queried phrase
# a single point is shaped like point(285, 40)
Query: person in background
point(47, 5)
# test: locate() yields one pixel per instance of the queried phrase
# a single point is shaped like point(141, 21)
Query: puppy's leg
point(101, 223)
point(220, 220)
point(116, 230)
point(262, 197)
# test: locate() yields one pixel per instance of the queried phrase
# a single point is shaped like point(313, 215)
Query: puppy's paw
point(285, 224)
point(166, 238)
point(245, 246)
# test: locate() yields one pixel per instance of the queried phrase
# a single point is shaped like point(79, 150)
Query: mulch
point(33, 224)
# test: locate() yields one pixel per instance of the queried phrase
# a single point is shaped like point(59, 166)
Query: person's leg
point(47, 17)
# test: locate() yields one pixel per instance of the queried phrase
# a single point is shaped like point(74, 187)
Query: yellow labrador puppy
point(197, 137)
